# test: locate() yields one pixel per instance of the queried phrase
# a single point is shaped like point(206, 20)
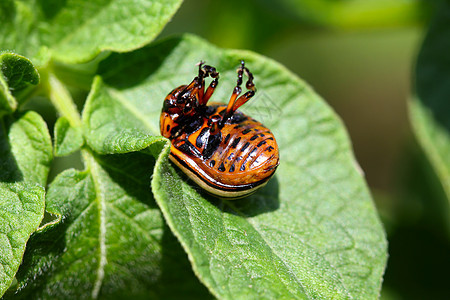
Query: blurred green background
point(359, 56)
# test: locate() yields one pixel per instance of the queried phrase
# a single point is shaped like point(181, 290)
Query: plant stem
point(62, 100)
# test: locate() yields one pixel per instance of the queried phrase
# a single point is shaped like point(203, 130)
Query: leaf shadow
point(126, 70)
point(432, 68)
point(264, 200)
point(39, 261)
point(9, 168)
point(177, 278)
point(132, 172)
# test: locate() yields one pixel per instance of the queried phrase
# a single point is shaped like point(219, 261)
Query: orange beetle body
point(224, 151)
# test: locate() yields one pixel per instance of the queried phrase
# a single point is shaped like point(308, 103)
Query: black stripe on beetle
point(235, 142)
point(245, 146)
point(242, 187)
point(227, 138)
point(261, 143)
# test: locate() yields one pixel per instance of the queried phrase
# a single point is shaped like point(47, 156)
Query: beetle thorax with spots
point(226, 152)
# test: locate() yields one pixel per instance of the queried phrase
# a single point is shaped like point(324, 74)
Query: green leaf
point(25, 149)
point(21, 211)
point(430, 107)
point(76, 31)
point(111, 125)
point(8, 103)
point(109, 237)
point(16, 73)
point(25, 156)
point(313, 232)
point(349, 14)
point(68, 139)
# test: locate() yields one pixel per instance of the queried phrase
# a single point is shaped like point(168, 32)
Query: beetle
point(226, 152)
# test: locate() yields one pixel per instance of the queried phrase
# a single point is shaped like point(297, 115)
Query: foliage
point(430, 106)
point(25, 156)
point(123, 225)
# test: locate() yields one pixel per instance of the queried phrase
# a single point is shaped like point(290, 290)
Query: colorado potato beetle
point(224, 151)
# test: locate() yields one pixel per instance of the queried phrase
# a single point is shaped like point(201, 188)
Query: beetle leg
point(200, 80)
point(242, 99)
point(188, 90)
point(229, 112)
point(237, 90)
point(209, 71)
point(249, 84)
point(236, 102)
point(212, 86)
point(197, 85)
point(250, 87)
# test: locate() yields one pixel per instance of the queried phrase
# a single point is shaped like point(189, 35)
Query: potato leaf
point(312, 232)
point(16, 74)
point(25, 156)
point(76, 31)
